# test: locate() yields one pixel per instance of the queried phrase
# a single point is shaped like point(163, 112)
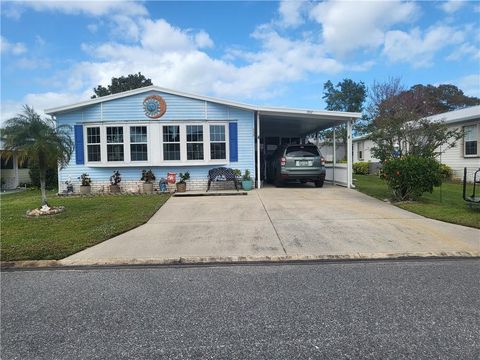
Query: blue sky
point(268, 53)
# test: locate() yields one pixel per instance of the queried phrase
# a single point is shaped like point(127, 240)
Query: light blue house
point(172, 131)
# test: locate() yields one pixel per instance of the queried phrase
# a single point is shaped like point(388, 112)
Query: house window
point(138, 143)
point(115, 151)
point(217, 142)
point(470, 140)
point(194, 142)
point(93, 144)
point(7, 164)
point(361, 147)
point(171, 142)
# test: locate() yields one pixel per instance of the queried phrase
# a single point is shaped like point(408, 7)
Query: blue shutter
point(233, 139)
point(79, 145)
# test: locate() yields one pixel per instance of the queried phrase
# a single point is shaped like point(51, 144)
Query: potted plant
point(114, 181)
point(247, 181)
point(182, 183)
point(85, 188)
point(148, 178)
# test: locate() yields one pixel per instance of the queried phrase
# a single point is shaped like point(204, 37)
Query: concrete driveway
point(293, 222)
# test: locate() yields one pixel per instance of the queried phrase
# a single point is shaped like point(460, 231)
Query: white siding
point(454, 157)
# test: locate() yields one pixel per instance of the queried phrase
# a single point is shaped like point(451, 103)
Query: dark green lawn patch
point(87, 221)
point(445, 203)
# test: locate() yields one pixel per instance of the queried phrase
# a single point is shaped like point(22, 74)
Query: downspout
point(349, 154)
point(258, 150)
point(334, 155)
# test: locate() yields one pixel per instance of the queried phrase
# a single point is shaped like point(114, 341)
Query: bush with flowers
point(410, 176)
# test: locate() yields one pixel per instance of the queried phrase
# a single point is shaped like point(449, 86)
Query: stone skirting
point(136, 187)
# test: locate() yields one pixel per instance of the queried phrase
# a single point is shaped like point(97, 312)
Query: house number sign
point(154, 106)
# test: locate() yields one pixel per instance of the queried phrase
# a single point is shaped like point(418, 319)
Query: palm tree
point(38, 140)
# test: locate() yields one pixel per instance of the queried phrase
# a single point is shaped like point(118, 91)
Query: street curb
point(217, 260)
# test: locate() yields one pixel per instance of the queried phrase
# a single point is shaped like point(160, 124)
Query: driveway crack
point(271, 222)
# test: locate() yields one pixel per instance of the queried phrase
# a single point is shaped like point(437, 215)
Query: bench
point(222, 174)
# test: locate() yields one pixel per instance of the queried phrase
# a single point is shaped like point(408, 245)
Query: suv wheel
point(319, 183)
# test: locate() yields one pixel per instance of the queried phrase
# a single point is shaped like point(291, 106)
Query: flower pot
point(247, 185)
point(85, 190)
point(114, 189)
point(181, 187)
point(147, 188)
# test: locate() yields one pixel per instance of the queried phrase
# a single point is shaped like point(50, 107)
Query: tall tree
point(346, 95)
point(399, 118)
point(442, 98)
point(121, 84)
point(38, 140)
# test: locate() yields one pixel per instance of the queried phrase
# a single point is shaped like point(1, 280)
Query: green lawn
point(86, 222)
point(445, 203)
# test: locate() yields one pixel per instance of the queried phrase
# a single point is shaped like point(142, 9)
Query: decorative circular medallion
point(154, 106)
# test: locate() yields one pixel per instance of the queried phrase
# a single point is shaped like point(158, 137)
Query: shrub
point(409, 177)
point(447, 172)
point(85, 179)
point(148, 176)
point(51, 177)
point(360, 168)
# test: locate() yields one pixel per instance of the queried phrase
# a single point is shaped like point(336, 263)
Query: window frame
point(217, 141)
point(87, 143)
point(155, 143)
point(163, 142)
point(115, 143)
point(475, 135)
point(360, 150)
point(129, 126)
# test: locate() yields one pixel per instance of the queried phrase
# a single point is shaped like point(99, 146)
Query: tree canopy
point(346, 95)
point(121, 84)
point(399, 118)
point(39, 141)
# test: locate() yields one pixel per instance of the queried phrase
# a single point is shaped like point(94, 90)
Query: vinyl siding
point(178, 109)
point(454, 157)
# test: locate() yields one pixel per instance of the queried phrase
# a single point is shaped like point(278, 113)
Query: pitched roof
point(262, 109)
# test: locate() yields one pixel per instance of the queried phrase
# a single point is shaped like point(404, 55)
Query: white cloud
point(39, 102)
point(31, 63)
point(291, 12)
point(348, 25)
point(452, 6)
point(13, 48)
point(417, 48)
point(470, 84)
point(93, 28)
point(73, 7)
point(464, 52)
point(203, 40)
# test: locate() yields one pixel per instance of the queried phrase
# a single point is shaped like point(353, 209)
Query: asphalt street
point(352, 310)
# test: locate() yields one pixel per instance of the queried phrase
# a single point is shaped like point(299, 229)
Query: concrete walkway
point(293, 223)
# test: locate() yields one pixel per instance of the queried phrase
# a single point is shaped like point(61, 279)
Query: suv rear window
point(302, 151)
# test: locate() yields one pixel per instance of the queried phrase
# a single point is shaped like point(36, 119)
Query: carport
point(275, 126)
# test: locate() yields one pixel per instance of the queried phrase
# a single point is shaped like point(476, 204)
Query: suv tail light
point(322, 161)
point(283, 161)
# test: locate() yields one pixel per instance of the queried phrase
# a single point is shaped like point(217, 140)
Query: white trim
point(258, 151)
point(155, 144)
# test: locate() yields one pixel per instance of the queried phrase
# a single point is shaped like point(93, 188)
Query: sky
point(264, 53)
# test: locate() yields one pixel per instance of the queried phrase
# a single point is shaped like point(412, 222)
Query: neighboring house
point(466, 152)
point(172, 131)
point(13, 172)
point(362, 149)
point(327, 151)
